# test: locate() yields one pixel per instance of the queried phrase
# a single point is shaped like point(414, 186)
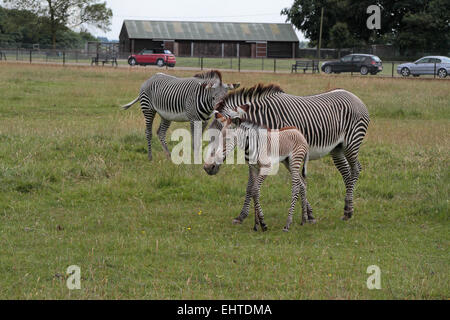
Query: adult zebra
point(181, 100)
point(332, 122)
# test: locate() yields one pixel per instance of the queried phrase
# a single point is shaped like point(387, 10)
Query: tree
point(22, 27)
point(305, 16)
point(411, 25)
point(67, 13)
point(425, 31)
point(340, 37)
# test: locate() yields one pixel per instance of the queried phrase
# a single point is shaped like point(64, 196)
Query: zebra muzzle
point(211, 169)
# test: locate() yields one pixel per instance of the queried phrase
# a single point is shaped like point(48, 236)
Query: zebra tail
point(305, 161)
point(125, 107)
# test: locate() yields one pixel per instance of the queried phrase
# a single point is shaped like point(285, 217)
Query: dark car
point(160, 57)
point(362, 63)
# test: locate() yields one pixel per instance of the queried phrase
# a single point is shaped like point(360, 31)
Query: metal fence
point(47, 56)
point(82, 57)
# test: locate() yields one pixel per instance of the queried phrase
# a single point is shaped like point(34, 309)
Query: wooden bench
point(305, 65)
point(96, 60)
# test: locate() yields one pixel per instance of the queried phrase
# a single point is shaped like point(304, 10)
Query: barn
point(210, 39)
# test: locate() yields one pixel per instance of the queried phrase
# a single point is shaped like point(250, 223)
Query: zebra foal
point(179, 99)
point(264, 147)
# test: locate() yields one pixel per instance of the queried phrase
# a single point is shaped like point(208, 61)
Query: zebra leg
point(149, 115)
point(340, 161)
point(196, 139)
point(298, 186)
point(259, 216)
point(252, 173)
point(355, 169)
point(162, 130)
point(204, 125)
point(295, 191)
point(304, 200)
point(311, 218)
point(309, 210)
point(255, 226)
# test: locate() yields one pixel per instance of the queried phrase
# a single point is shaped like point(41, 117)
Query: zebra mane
point(249, 124)
point(210, 75)
point(245, 95)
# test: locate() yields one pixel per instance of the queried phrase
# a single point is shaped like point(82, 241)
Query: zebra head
point(241, 100)
point(226, 139)
point(217, 90)
point(213, 86)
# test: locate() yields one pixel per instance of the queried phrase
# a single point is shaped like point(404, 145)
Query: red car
point(160, 57)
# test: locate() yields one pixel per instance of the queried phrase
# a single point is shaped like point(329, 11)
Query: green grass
point(76, 188)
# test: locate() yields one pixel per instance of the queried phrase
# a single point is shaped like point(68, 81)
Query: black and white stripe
point(179, 99)
point(266, 147)
point(333, 123)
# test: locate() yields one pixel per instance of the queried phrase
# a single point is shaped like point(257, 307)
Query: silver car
point(426, 65)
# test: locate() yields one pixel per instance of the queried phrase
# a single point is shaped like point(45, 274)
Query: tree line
point(50, 23)
point(412, 26)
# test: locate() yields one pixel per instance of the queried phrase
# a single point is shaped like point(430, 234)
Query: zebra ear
point(210, 85)
point(242, 110)
point(232, 86)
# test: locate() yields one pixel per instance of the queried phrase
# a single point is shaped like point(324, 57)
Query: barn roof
point(221, 31)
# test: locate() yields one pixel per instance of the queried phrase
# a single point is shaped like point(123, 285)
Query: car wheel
point(132, 61)
point(364, 70)
point(327, 69)
point(160, 63)
point(405, 72)
point(442, 73)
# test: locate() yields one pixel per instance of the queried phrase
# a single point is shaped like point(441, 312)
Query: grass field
point(76, 188)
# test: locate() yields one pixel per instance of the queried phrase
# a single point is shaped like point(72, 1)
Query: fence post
point(201, 63)
point(17, 54)
point(274, 65)
point(262, 64)
point(64, 58)
point(31, 53)
point(239, 64)
point(392, 69)
point(434, 73)
point(231, 63)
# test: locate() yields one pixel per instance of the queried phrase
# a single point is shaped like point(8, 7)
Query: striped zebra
point(264, 148)
point(181, 100)
point(333, 122)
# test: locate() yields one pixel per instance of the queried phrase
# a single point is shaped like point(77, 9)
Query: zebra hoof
point(263, 227)
point(237, 221)
point(286, 229)
point(312, 221)
point(345, 218)
point(255, 228)
point(150, 158)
